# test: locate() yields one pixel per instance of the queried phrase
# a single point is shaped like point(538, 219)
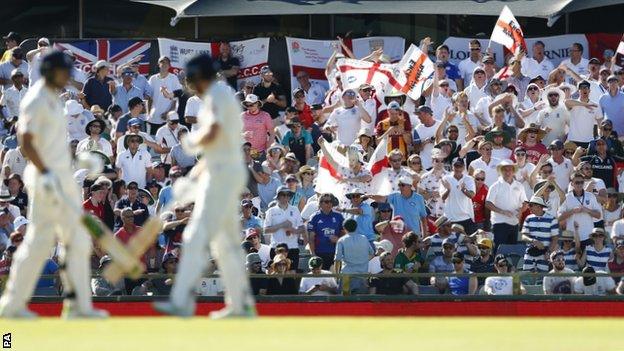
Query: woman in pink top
point(257, 126)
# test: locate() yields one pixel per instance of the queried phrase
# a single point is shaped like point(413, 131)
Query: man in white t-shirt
point(12, 96)
point(467, 66)
point(500, 285)
point(167, 135)
point(562, 167)
point(555, 117)
point(283, 221)
point(576, 62)
point(317, 286)
point(164, 86)
point(134, 164)
point(539, 64)
point(597, 286)
point(191, 111)
point(584, 115)
point(555, 284)
point(476, 89)
point(346, 121)
point(424, 135)
point(580, 209)
point(457, 191)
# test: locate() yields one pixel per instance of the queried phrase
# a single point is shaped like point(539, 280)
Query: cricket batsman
point(220, 178)
point(42, 132)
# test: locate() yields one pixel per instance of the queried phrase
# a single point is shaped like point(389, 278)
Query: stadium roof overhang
point(547, 9)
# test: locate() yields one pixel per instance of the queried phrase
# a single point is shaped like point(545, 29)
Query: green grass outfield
point(318, 333)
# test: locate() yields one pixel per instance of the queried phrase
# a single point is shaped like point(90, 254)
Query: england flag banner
point(115, 52)
point(252, 54)
point(310, 56)
point(412, 71)
point(378, 166)
point(354, 73)
point(508, 33)
point(394, 47)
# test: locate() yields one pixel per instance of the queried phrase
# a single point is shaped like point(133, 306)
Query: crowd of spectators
point(478, 166)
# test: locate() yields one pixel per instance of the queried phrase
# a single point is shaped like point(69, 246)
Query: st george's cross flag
point(354, 73)
point(377, 165)
point(412, 72)
point(508, 33)
point(619, 53)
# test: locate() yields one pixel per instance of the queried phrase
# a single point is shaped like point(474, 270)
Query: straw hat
point(541, 133)
point(506, 163)
point(281, 258)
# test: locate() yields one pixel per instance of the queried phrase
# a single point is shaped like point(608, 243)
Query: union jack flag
point(115, 52)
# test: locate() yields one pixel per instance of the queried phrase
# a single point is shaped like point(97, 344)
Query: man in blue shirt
point(352, 255)
point(409, 205)
point(324, 229)
point(299, 141)
point(363, 214)
point(122, 93)
point(612, 105)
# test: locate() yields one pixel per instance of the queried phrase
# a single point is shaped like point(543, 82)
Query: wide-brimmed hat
point(98, 121)
point(281, 258)
point(496, 131)
point(283, 189)
point(534, 128)
point(537, 201)
point(251, 99)
point(129, 135)
point(355, 191)
point(73, 107)
point(277, 146)
point(442, 220)
point(95, 109)
point(506, 163)
point(445, 142)
point(384, 244)
point(556, 90)
point(365, 132)
point(566, 235)
point(493, 81)
point(395, 94)
point(144, 192)
point(304, 169)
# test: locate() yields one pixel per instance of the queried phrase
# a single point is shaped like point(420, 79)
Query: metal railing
point(531, 279)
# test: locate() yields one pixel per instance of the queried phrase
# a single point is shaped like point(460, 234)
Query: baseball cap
point(536, 79)
point(583, 84)
point(127, 72)
point(16, 72)
point(100, 64)
point(135, 122)
point(365, 86)
point(556, 145)
point(19, 221)
point(383, 206)
point(252, 258)
point(487, 59)
point(457, 257)
point(486, 243)
point(173, 116)
point(499, 258)
point(13, 36)
point(587, 281)
point(612, 77)
point(297, 91)
point(315, 262)
point(448, 241)
point(250, 232)
point(607, 122)
point(394, 106)
point(291, 177)
point(104, 260)
point(384, 244)
point(556, 253)
point(157, 164)
point(246, 203)
point(163, 58)
point(406, 180)
point(594, 61)
point(350, 93)
point(619, 242)
point(423, 109)
point(265, 70)
point(44, 40)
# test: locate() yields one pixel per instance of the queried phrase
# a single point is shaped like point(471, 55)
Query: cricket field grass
point(317, 333)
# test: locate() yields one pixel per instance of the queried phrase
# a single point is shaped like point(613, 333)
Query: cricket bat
point(105, 238)
point(136, 247)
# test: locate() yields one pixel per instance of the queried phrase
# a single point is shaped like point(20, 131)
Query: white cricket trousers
point(50, 219)
point(214, 228)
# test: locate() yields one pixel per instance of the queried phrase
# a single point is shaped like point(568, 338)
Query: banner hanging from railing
point(115, 52)
point(252, 54)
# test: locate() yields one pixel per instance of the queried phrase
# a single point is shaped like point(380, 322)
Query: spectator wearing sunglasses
point(614, 145)
point(168, 135)
point(580, 209)
point(140, 210)
point(500, 285)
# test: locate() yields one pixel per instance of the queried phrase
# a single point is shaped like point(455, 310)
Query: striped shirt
point(435, 243)
point(598, 259)
point(543, 229)
point(468, 259)
point(570, 259)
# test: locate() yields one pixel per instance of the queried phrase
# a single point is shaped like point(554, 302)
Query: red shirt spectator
point(305, 115)
point(95, 203)
point(478, 201)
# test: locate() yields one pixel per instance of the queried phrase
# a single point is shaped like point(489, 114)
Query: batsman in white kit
point(42, 131)
point(219, 178)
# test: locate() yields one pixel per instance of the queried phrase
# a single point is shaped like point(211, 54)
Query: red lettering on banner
point(250, 71)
